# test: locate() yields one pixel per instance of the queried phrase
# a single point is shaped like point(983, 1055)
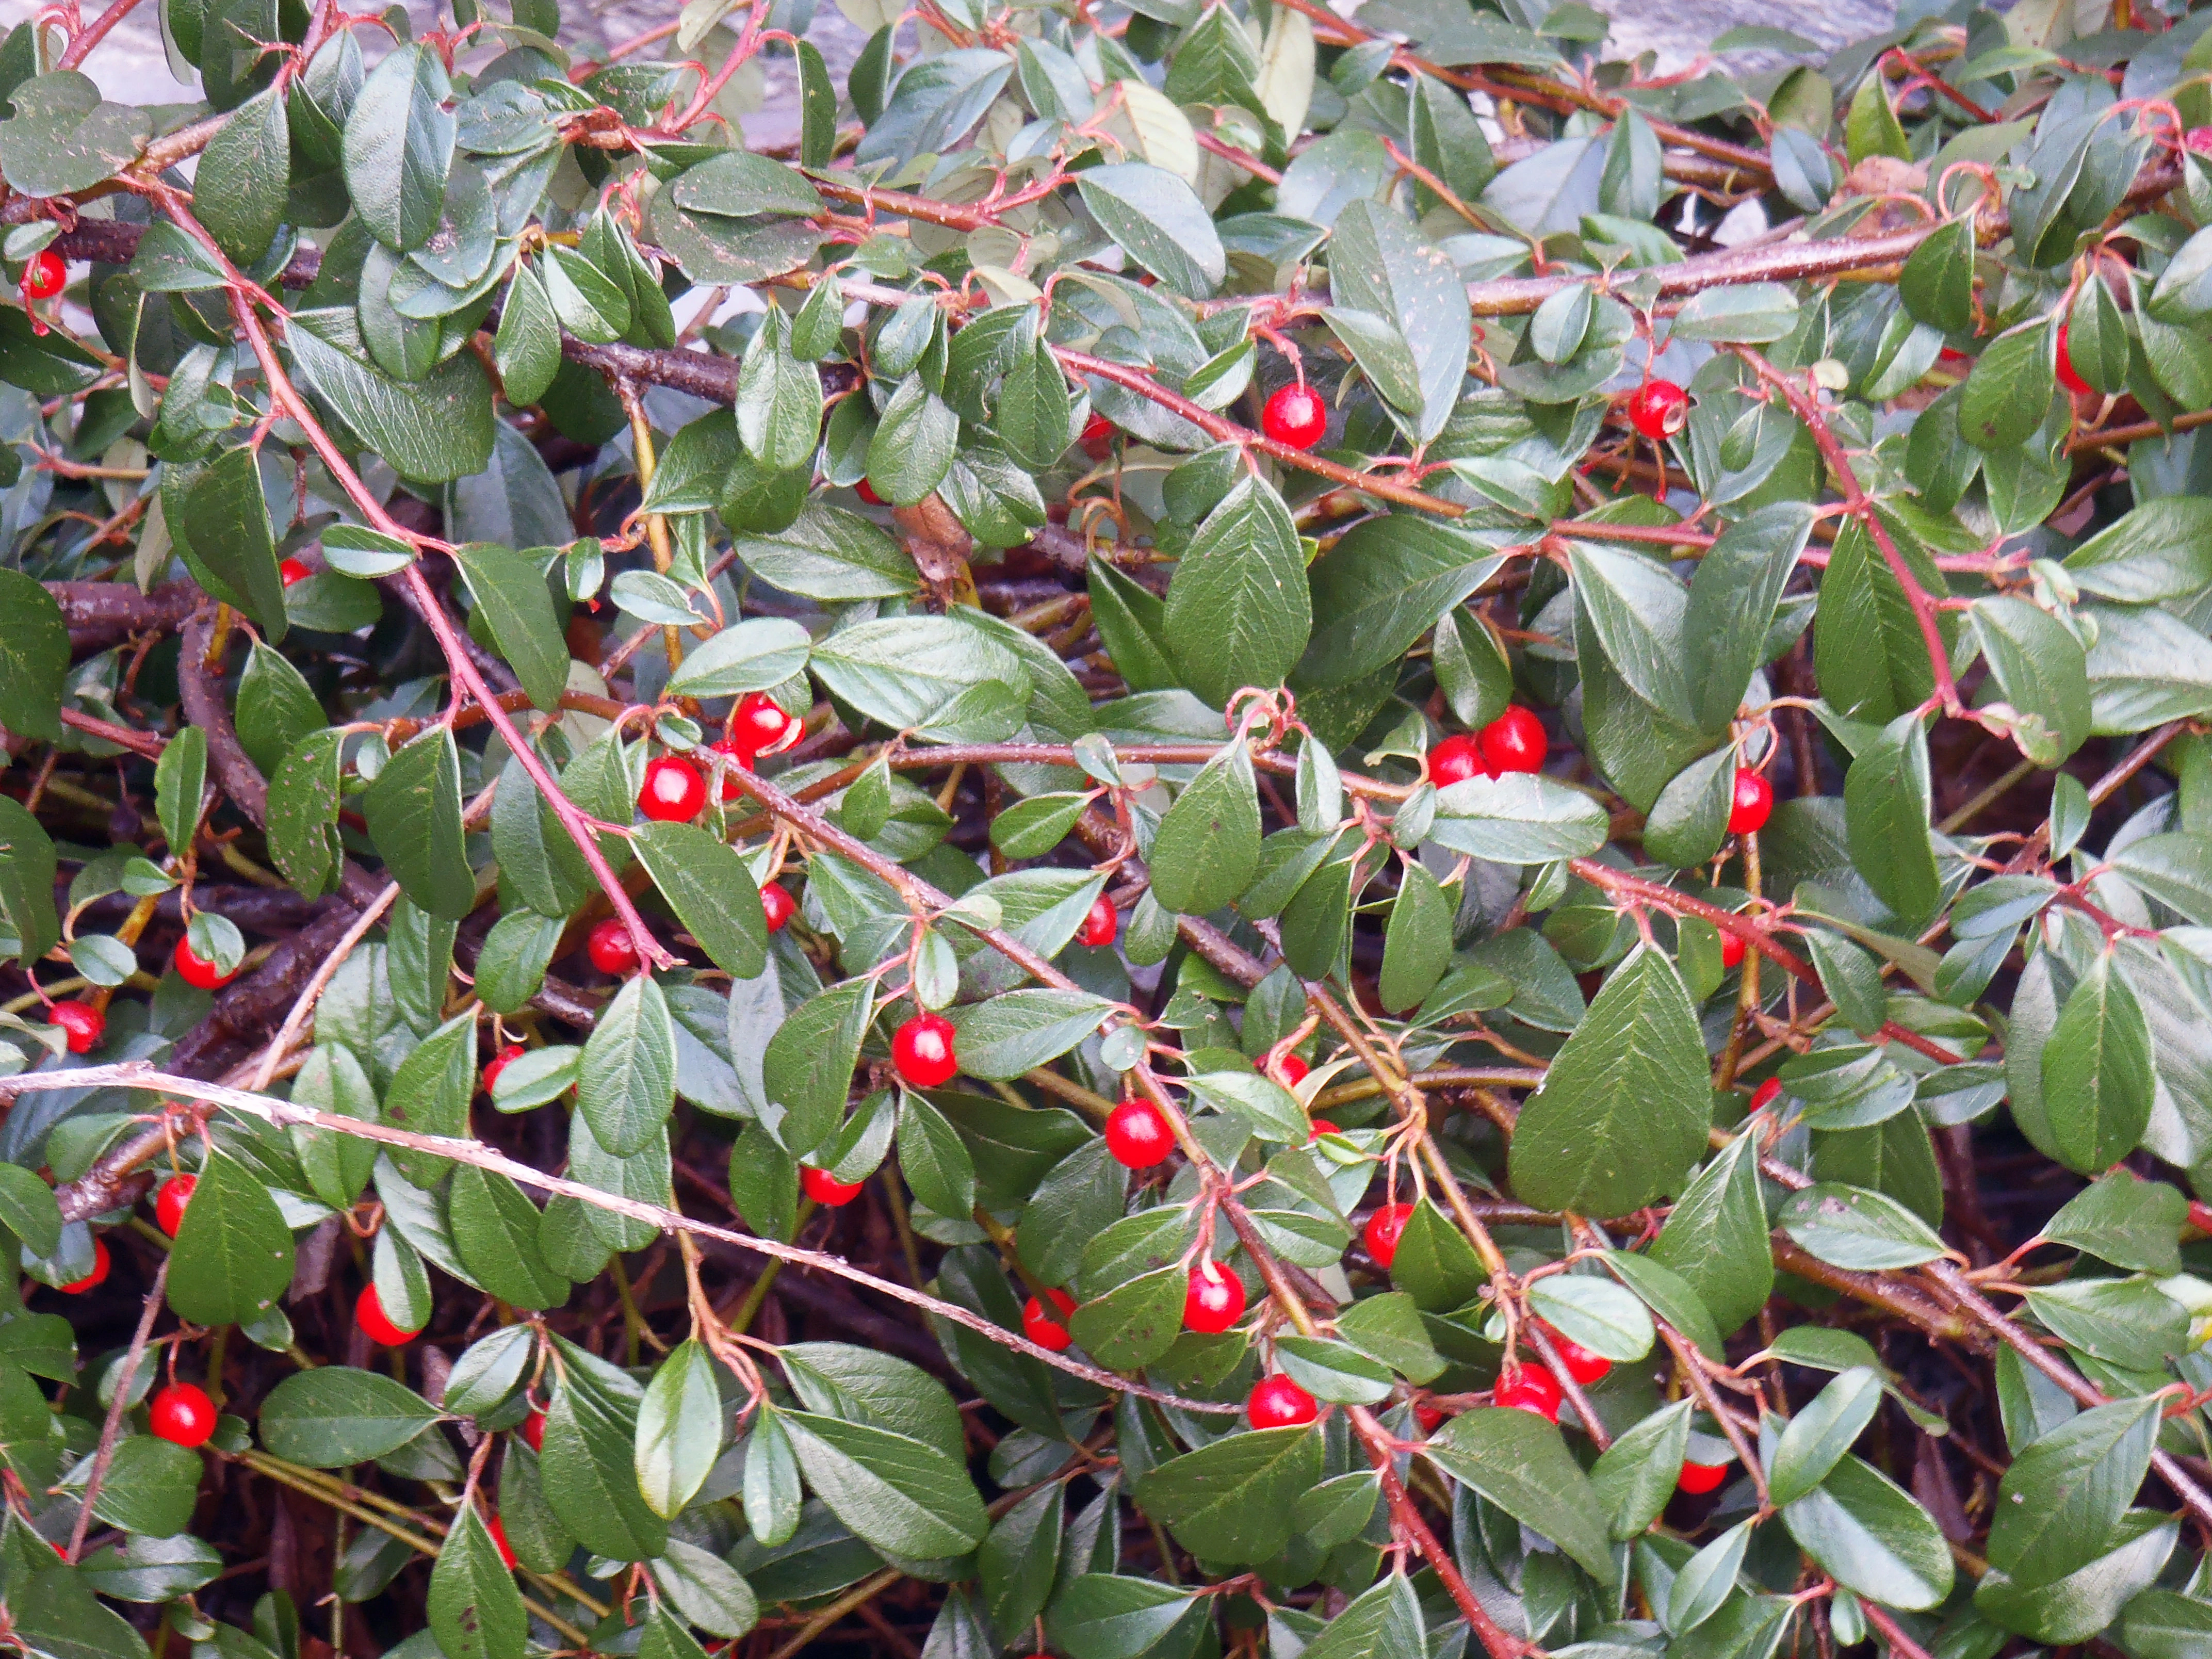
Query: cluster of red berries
point(1513, 742)
point(922, 1054)
point(675, 792)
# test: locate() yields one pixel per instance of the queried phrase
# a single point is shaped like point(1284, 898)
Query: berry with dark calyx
point(500, 1062)
point(1733, 950)
point(1137, 1136)
point(1698, 1478)
point(1276, 1402)
point(1383, 1230)
point(1456, 760)
point(921, 1049)
point(2068, 376)
point(1582, 1364)
point(1658, 409)
point(1295, 417)
point(1098, 440)
point(197, 971)
point(101, 1262)
point(825, 1188)
point(1751, 802)
point(609, 947)
point(1513, 742)
point(83, 1024)
point(777, 905)
point(1290, 1070)
point(497, 1528)
point(673, 793)
point(1048, 1330)
point(291, 572)
point(169, 1203)
point(1215, 1300)
point(45, 275)
point(533, 1430)
point(376, 1324)
point(1766, 1094)
point(1531, 1388)
point(1100, 924)
point(181, 1413)
point(761, 727)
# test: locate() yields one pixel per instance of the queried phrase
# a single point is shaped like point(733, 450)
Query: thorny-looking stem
point(111, 1428)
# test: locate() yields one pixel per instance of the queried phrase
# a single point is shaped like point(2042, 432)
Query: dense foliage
point(1228, 830)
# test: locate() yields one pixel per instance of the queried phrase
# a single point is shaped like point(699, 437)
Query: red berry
point(1766, 1094)
point(2197, 140)
point(1750, 803)
point(1582, 1364)
point(1430, 1418)
point(736, 751)
point(1732, 951)
point(1042, 1328)
point(83, 1024)
point(1137, 1135)
point(866, 494)
point(1658, 409)
point(498, 1531)
point(825, 1188)
point(197, 970)
point(1456, 760)
point(761, 727)
point(45, 275)
point(500, 1062)
point(169, 1203)
point(610, 948)
point(1321, 1127)
point(100, 1263)
point(1100, 924)
point(2066, 375)
point(1290, 1070)
point(1697, 1478)
point(376, 1324)
point(1097, 437)
point(1515, 742)
point(1276, 1402)
point(921, 1049)
point(674, 792)
point(1215, 1300)
point(182, 1413)
point(777, 905)
point(1384, 1228)
point(533, 1430)
point(1531, 1388)
point(292, 571)
point(1295, 417)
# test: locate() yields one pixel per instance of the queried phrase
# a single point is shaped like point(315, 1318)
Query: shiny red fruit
point(500, 1062)
point(533, 1430)
point(1383, 1230)
point(1321, 1127)
point(292, 571)
point(736, 751)
point(1515, 742)
point(1429, 1417)
point(169, 1203)
point(497, 1528)
point(100, 1263)
point(674, 792)
point(921, 1049)
point(1658, 409)
point(45, 275)
point(777, 905)
point(761, 727)
point(1215, 1300)
point(1733, 950)
point(1582, 1364)
point(1698, 1478)
point(1098, 440)
point(1100, 924)
point(1456, 760)
point(1766, 1094)
point(1276, 1402)
point(83, 1024)
point(1137, 1135)
point(825, 1188)
point(1043, 1328)
point(1295, 416)
point(1531, 1388)
point(1290, 1070)
point(2066, 375)
point(866, 494)
point(1750, 803)
point(376, 1324)
point(181, 1413)
point(610, 948)
point(197, 970)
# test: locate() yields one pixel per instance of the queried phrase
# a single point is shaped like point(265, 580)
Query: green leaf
point(1638, 1473)
point(931, 674)
point(35, 656)
point(1208, 844)
point(2098, 1084)
point(1623, 1111)
point(897, 1493)
point(1136, 1322)
point(627, 1084)
point(1100, 1616)
point(334, 1415)
point(29, 1210)
point(233, 1257)
point(1519, 1463)
point(933, 1158)
point(1715, 1236)
point(2119, 1218)
point(398, 146)
point(587, 1468)
point(2042, 672)
point(2129, 1322)
point(495, 1228)
point(1822, 1432)
point(1596, 1313)
point(303, 814)
point(414, 813)
point(528, 349)
point(64, 138)
point(2167, 1625)
point(277, 708)
point(433, 430)
point(757, 654)
point(1852, 1227)
point(1518, 817)
point(1381, 587)
point(510, 590)
point(1231, 1501)
point(244, 176)
point(2010, 388)
point(1159, 221)
point(1018, 1562)
point(2161, 549)
point(779, 398)
point(808, 1066)
point(1417, 946)
point(2059, 1501)
point(711, 889)
point(1869, 1535)
point(180, 779)
point(1886, 798)
point(226, 520)
point(679, 1429)
point(26, 881)
point(430, 1093)
point(1238, 611)
point(1384, 1621)
point(474, 1609)
point(1937, 284)
point(1380, 265)
point(2076, 1607)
